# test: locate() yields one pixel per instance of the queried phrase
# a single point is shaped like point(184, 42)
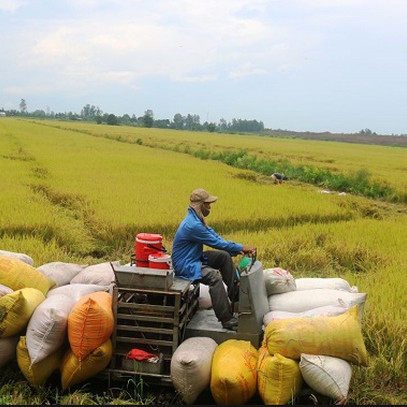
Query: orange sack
point(90, 323)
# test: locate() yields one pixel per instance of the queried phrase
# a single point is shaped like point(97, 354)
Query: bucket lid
point(149, 238)
point(159, 257)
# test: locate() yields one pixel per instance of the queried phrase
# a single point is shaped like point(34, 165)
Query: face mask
point(205, 210)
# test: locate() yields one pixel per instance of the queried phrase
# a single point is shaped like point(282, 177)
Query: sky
point(302, 65)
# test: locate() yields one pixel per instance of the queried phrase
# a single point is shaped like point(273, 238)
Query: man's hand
point(250, 250)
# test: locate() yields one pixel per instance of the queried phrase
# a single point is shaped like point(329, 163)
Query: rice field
point(384, 163)
point(79, 192)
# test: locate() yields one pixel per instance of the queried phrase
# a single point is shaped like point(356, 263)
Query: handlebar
point(247, 267)
point(253, 255)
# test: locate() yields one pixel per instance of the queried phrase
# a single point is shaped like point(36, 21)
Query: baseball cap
point(201, 195)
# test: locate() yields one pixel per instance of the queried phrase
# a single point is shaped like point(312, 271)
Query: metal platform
point(253, 305)
point(205, 323)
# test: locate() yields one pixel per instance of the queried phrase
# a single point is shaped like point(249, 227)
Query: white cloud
point(55, 45)
point(11, 5)
point(246, 70)
point(150, 48)
point(89, 47)
point(123, 77)
point(27, 89)
point(367, 4)
point(197, 78)
point(183, 40)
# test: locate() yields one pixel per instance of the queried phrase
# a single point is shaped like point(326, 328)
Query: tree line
point(92, 113)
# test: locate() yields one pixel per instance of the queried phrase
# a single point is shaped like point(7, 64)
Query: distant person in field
point(210, 267)
point(278, 178)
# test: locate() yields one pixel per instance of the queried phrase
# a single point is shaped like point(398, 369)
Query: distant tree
point(249, 126)
point(12, 112)
point(91, 112)
point(223, 126)
point(178, 121)
point(148, 118)
point(112, 120)
point(23, 106)
point(162, 124)
point(368, 132)
point(85, 112)
point(192, 122)
point(38, 113)
point(126, 120)
point(133, 119)
point(73, 116)
point(211, 127)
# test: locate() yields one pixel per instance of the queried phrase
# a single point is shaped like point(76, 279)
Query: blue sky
point(302, 65)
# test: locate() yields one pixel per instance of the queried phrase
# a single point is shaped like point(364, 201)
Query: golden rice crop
point(385, 164)
point(81, 192)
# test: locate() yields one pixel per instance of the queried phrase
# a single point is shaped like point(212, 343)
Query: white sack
point(191, 366)
point(62, 273)
point(326, 311)
point(101, 274)
point(327, 375)
point(8, 349)
point(47, 328)
point(299, 301)
point(77, 291)
point(335, 283)
point(278, 280)
point(205, 300)
point(20, 256)
point(5, 290)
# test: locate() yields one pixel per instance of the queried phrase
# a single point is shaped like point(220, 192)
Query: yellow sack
point(90, 323)
point(16, 309)
point(38, 373)
point(17, 274)
point(279, 378)
point(339, 336)
point(73, 371)
point(233, 373)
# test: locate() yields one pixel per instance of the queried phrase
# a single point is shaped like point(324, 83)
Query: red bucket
point(159, 261)
point(146, 244)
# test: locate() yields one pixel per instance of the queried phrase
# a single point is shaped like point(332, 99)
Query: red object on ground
point(139, 354)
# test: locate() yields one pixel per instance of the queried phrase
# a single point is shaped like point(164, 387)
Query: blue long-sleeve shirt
point(187, 249)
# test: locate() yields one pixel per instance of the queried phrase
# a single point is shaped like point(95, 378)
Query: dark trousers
point(220, 268)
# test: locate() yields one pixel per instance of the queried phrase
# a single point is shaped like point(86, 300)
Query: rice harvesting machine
point(155, 311)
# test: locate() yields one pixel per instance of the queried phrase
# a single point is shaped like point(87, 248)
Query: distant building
point(2, 114)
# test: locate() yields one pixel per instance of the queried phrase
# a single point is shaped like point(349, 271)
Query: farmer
point(278, 178)
point(210, 267)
